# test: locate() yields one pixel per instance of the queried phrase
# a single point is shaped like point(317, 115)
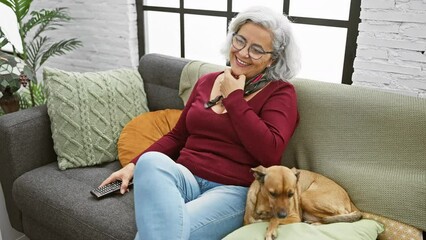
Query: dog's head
point(279, 186)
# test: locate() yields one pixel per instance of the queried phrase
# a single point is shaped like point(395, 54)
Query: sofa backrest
point(373, 143)
point(161, 76)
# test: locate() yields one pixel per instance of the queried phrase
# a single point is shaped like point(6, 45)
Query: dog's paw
point(270, 238)
point(255, 220)
point(271, 235)
point(275, 235)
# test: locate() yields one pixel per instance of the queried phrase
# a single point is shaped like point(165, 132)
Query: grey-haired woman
point(192, 183)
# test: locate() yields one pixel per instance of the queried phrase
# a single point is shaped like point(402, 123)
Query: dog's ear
point(259, 173)
point(296, 172)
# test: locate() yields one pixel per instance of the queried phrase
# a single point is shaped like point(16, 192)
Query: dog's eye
point(290, 194)
point(273, 194)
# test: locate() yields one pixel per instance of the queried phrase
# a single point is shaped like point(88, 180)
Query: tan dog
point(281, 196)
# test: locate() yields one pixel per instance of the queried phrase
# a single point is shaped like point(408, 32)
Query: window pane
point(10, 28)
point(323, 51)
point(327, 9)
point(204, 37)
point(241, 5)
point(219, 5)
point(162, 3)
point(162, 33)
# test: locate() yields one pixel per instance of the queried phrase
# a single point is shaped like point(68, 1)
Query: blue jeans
point(172, 203)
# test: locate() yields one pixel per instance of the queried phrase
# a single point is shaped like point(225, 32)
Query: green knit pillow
point(88, 110)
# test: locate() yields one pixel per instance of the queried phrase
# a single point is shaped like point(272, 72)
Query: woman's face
point(256, 38)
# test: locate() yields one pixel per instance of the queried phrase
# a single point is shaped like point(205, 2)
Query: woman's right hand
point(230, 83)
point(124, 175)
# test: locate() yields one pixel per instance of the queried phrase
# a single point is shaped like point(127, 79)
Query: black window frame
point(351, 25)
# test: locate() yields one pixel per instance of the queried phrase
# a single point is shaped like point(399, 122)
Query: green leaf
point(8, 60)
point(11, 67)
point(35, 50)
point(24, 102)
point(19, 7)
point(60, 48)
point(11, 81)
point(46, 20)
point(10, 4)
point(3, 42)
point(38, 93)
point(3, 39)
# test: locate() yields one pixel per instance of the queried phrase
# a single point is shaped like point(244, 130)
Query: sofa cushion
point(142, 131)
point(61, 202)
point(88, 111)
point(360, 230)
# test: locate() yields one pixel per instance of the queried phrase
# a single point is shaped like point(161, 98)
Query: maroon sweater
point(223, 147)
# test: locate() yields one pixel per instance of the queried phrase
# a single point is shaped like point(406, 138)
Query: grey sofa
point(372, 143)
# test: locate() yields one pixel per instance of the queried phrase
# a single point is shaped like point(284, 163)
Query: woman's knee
point(152, 162)
point(218, 212)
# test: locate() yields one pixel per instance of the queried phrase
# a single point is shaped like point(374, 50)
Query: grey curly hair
point(286, 52)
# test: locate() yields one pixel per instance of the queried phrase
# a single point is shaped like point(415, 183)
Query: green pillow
point(360, 230)
point(88, 110)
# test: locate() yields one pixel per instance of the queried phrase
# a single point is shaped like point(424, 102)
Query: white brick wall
point(390, 55)
point(107, 28)
point(391, 46)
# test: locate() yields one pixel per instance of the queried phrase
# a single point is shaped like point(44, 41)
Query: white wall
point(391, 46)
point(390, 55)
point(107, 29)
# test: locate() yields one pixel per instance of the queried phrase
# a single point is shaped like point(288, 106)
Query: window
point(326, 31)
point(9, 26)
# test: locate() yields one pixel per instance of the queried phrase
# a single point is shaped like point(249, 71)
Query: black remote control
point(108, 189)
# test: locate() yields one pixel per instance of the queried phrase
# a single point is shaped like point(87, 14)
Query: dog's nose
point(282, 214)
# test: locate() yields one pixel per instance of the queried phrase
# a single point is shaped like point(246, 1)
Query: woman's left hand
point(229, 84)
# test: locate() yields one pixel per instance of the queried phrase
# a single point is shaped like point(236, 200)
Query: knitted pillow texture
point(142, 131)
point(88, 111)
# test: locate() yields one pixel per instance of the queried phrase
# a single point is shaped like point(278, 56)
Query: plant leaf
point(46, 19)
point(35, 51)
point(60, 48)
point(3, 39)
point(3, 42)
point(19, 7)
point(38, 93)
point(8, 3)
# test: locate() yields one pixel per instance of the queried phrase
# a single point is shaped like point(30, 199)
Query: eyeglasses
point(254, 51)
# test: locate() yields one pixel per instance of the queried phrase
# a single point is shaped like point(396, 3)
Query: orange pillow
point(143, 130)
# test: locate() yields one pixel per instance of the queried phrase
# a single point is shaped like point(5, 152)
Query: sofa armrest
point(26, 143)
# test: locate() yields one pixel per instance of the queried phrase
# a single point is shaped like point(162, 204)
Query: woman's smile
point(241, 62)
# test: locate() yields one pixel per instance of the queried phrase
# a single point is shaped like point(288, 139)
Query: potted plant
point(13, 73)
point(37, 48)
